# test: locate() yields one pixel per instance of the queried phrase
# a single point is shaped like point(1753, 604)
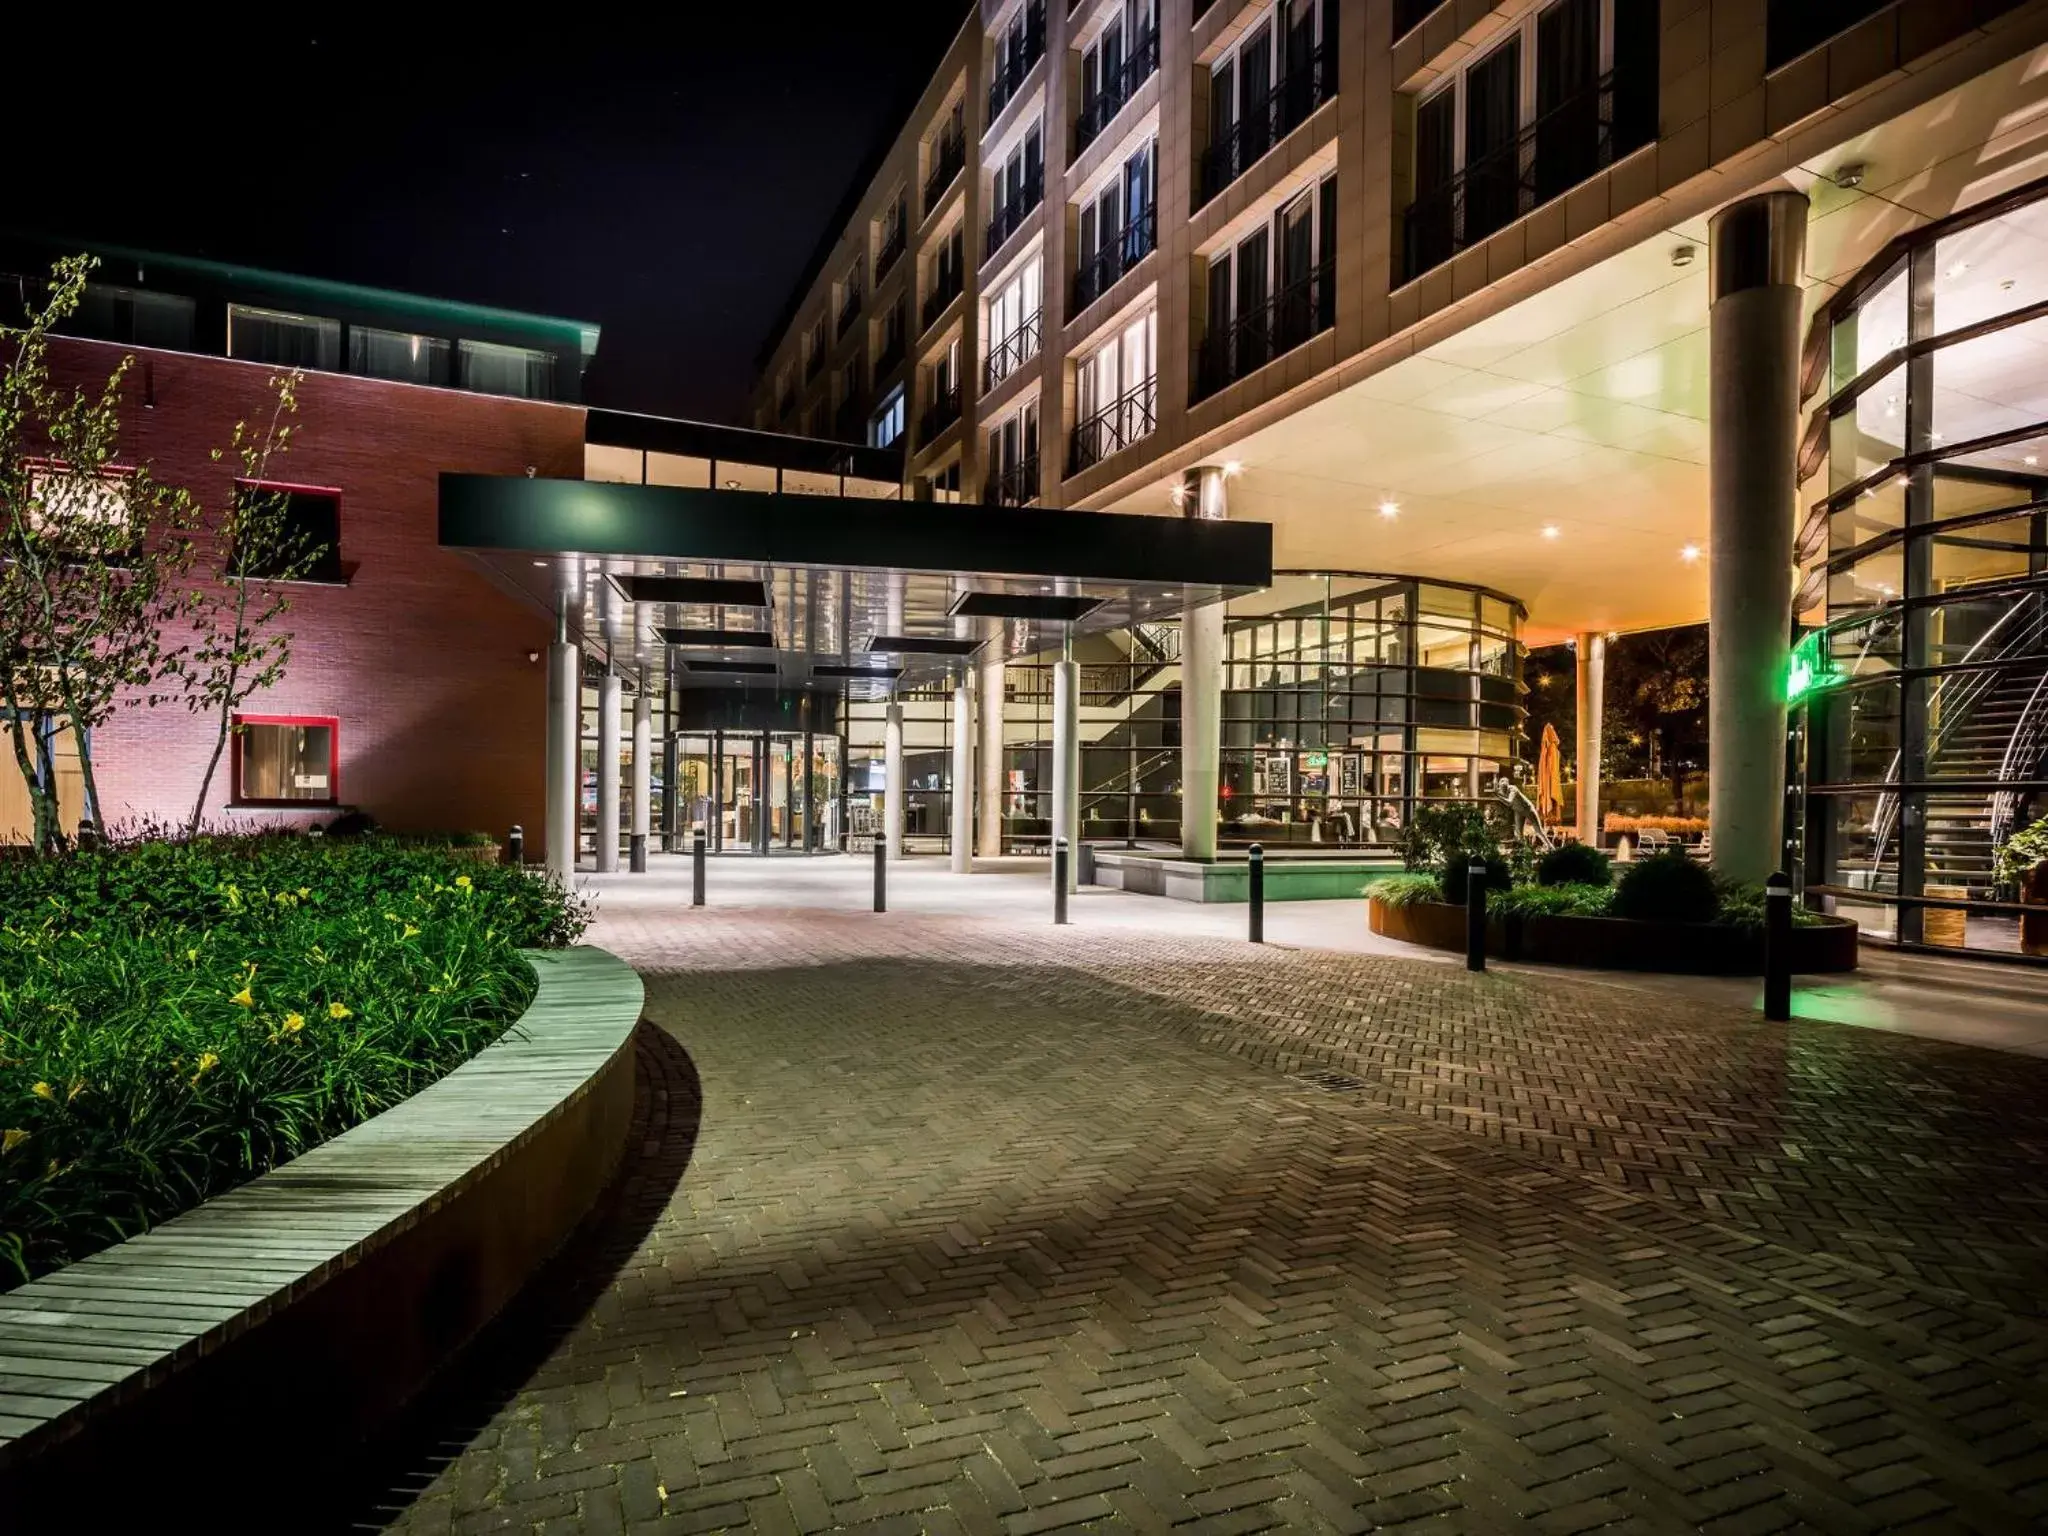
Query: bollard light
point(1778, 947)
point(1257, 894)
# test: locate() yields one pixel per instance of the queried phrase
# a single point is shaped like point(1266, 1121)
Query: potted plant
point(2023, 864)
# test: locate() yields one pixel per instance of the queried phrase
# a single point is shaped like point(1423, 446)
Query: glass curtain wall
point(1353, 697)
point(1926, 745)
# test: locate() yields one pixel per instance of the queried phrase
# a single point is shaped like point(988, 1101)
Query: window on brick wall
point(287, 760)
point(307, 545)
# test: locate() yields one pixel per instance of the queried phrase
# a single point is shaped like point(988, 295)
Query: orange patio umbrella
point(1549, 778)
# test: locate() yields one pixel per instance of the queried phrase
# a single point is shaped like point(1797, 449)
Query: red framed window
point(287, 760)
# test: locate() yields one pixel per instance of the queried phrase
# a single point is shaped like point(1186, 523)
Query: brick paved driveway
point(994, 1228)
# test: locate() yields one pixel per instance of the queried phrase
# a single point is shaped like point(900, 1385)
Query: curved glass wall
point(1348, 698)
point(1927, 745)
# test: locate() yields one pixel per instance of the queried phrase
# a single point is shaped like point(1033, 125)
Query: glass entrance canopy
point(702, 587)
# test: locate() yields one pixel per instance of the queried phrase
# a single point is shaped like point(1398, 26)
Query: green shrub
point(1667, 888)
point(1405, 890)
point(175, 1019)
point(1456, 877)
point(1574, 864)
point(1435, 832)
point(1742, 906)
point(1553, 901)
point(2022, 851)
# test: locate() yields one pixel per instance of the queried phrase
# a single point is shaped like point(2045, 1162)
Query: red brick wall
point(422, 659)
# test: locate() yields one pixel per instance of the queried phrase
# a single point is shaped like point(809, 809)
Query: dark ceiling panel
point(925, 645)
point(732, 668)
point(1043, 607)
point(834, 669)
point(692, 589)
point(751, 639)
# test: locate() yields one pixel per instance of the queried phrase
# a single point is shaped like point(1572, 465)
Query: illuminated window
point(286, 760)
point(292, 341)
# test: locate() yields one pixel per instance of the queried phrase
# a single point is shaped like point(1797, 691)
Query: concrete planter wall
point(238, 1353)
point(1615, 944)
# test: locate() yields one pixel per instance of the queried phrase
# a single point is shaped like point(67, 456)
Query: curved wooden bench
point(245, 1344)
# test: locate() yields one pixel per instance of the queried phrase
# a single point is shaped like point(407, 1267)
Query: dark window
point(491, 369)
point(398, 355)
point(306, 545)
point(286, 760)
point(166, 320)
point(291, 341)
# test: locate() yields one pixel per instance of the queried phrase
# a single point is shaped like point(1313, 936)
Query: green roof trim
point(441, 314)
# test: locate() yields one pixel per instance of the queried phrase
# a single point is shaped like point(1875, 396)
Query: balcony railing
point(1006, 356)
point(1136, 69)
point(849, 311)
point(948, 155)
point(1298, 311)
point(894, 239)
point(1265, 122)
point(1014, 60)
point(945, 293)
point(890, 353)
point(1552, 155)
point(940, 414)
point(1129, 417)
point(1123, 250)
point(1010, 215)
point(1014, 486)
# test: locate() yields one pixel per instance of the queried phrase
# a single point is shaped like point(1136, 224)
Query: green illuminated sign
point(1811, 669)
point(1315, 760)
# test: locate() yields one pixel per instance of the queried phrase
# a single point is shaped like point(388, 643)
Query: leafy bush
point(2022, 851)
point(1435, 832)
point(1668, 888)
point(175, 1019)
point(1456, 878)
point(1552, 901)
point(1405, 890)
point(1574, 864)
point(1742, 906)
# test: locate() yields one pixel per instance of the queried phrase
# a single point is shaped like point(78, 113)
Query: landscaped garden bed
point(176, 1019)
point(1571, 906)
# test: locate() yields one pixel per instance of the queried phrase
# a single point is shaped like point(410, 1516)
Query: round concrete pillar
point(642, 808)
point(989, 839)
point(893, 806)
point(1756, 255)
point(961, 841)
point(610, 695)
point(1066, 762)
point(1201, 685)
point(565, 701)
point(1592, 701)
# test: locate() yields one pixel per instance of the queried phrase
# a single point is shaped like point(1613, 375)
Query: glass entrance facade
point(759, 791)
point(1924, 738)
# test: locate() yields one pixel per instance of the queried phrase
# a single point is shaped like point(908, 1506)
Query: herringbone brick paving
point(988, 1228)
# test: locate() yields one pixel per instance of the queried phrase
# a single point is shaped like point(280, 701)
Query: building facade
point(1516, 297)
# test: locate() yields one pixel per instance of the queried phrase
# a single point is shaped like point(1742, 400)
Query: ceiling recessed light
point(1390, 509)
point(2033, 458)
point(1551, 530)
point(2006, 286)
point(1690, 554)
point(1682, 256)
point(1957, 270)
point(1232, 468)
point(542, 564)
point(1850, 175)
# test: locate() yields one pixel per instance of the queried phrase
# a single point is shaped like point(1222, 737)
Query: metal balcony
point(1012, 352)
point(1098, 111)
point(1285, 107)
point(1303, 308)
point(1010, 215)
point(1122, 422)
point(1014, 486)
point(1123, 250)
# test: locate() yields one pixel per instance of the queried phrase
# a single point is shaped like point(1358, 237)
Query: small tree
point(238, 650)
point(92, 554)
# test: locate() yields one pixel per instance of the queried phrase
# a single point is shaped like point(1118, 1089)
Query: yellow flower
point(462, 882)
point(192, 956)
point(244, 997)
point(305, 891)
point(409, 931)
point(207, 1062)
point(293, 1023)
point(338, 1011)
point(11, 1139)
point(44, 1091)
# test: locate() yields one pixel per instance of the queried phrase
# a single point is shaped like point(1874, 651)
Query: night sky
point(668, 181)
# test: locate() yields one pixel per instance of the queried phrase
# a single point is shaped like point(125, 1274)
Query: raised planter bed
point(1616, 944)
point(239, 1352)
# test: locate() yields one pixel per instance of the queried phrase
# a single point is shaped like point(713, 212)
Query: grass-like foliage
point(177, 1018)
point(1577, 900)
point(1405, 890)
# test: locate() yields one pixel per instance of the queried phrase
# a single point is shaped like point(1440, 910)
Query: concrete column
point(1201, 685)
point(893, 799)
point(609, 696)
point(1592, 655)
point(1756, 254)
point(565, 699)
point(1066, 761)
point(962, 839)
point(643, 775)
point(990, 814)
